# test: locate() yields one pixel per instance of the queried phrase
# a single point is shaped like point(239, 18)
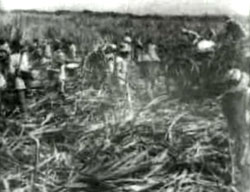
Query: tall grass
point(87, 28)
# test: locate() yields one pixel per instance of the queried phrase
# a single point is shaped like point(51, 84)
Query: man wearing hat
point(72, 50)
point(126, 47)
point(46, 54)
point(19, 74)
point(123, 59)
point(236, 109)
point(110, 50)
point(59, 59)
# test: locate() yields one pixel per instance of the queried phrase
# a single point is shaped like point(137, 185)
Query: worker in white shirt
point(72, 50)
point(19, 70)
point(59, 59)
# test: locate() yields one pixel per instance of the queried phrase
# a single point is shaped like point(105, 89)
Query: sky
point(241, 7)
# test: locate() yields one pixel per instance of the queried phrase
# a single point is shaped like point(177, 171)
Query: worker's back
point(234, 106)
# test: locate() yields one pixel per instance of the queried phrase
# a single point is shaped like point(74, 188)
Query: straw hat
point(127, 39)
point(237, 80)
point(233, 75)
point(113, 46)
point(125, 48)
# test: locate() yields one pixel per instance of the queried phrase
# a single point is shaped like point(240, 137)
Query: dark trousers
point(21, 100)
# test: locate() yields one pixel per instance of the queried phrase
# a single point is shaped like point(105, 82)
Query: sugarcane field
point(118, 102)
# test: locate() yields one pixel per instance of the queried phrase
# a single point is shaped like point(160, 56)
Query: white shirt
point(72, 49)
point(122, 69)
point(62, 75)
point(152, 52)
point(47, 51)
point(111, 62)
point(19, 61)
point(2, 82)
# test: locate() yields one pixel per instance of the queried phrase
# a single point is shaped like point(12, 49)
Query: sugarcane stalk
point(37, 154)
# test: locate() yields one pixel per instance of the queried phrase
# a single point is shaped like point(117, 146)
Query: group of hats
point(123, 47)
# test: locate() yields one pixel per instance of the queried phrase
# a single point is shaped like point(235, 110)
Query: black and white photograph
point(125, 96)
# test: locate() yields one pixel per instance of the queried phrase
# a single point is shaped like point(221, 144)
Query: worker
point(72, 50)
point(59, 59)
point(4, 57)
point(19, 72)
point(236, 109)
point(46, 57)
point(4, 66)
point(126, 47)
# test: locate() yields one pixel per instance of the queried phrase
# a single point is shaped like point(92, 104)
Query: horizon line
point(123, 12)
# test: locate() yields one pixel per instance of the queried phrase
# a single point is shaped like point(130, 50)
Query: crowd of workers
point(18, 58)
point(21, 60)
point(21, 63)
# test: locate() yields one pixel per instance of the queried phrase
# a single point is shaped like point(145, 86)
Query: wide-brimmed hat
point(124, 47)
point(127, 39)
point(233, 75)
point(113, 46)
point(237, 79)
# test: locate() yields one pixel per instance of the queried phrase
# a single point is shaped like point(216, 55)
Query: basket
point(72, 69)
